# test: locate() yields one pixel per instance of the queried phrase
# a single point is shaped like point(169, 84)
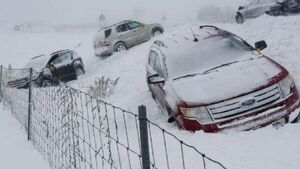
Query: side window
point(122, 28)
point(134, 25)
point(107, 33)
point(153, 55)
point(64, 58)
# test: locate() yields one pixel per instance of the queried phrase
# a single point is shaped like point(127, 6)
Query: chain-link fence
point(74, 130)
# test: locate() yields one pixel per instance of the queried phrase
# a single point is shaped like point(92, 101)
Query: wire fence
point(74, 130)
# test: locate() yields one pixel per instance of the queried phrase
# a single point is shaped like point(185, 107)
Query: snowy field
point(266, 148)
point(16, 152)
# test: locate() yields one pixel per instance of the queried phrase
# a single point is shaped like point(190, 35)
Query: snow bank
point(16, 151)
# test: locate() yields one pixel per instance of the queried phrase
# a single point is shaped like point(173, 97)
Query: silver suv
point(123, 35)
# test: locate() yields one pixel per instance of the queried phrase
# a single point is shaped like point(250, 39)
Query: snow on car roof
point(186, 36)
point(40, 61)
point(113, 25)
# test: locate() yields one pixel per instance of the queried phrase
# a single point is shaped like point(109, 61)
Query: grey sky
point(87, 11)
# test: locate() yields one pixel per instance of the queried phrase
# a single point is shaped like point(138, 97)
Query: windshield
point(206, 54)
point(37, 63)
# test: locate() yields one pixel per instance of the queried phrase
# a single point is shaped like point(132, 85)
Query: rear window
point(107, 33)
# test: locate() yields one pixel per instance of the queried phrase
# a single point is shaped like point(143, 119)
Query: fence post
point(29, 103)
point(1, 79)
point(144, 137)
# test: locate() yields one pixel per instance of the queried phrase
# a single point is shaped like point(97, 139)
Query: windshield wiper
point(222, 65)
point(211, 69)
point(205, 72)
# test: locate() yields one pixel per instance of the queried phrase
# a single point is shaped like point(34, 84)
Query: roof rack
point(208, 26)
point(59, 51)
point(36, 57)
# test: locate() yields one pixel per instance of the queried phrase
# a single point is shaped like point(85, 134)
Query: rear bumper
point(288, 109)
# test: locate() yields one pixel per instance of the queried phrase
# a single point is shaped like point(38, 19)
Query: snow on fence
point(74, 130)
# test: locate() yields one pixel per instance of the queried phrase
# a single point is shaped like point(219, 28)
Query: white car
point(124, 35)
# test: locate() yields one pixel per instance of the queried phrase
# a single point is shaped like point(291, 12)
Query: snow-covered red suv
point(214, 81)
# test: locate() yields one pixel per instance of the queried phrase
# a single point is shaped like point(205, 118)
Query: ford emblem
point(248, 102)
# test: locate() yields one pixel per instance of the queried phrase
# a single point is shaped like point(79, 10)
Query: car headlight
point(199, 113)
point(286, 85)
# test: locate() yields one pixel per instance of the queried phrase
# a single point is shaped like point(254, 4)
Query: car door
point(264, 6)
point(156, 64)
point(129, 36)
point(252, 9)
point(138, 31)
point(63, 68)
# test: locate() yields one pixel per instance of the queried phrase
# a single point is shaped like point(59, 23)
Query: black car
point(285, 7)
point(64, 65)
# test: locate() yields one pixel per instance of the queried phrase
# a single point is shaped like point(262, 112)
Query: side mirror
point(241, 7)
point(155, 79)
point(261, 45)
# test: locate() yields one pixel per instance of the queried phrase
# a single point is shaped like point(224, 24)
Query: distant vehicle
point(254, 9)
point(285, 7)
point(219, 82)
point(272, 7)
point(64, 65)
point(123, 35)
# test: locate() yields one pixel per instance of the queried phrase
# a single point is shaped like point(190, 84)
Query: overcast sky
point(87, 11)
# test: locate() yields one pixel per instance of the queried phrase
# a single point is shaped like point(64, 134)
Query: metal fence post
point(1, 79)
point(144, 137)
point(29, 103)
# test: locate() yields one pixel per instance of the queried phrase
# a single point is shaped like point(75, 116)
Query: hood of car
point(37, 63)
point(226, 82)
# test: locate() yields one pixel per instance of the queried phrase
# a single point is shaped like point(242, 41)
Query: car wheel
point(79, 71)
point(156, 32)
point(46, 83)
point(119, 47)
point(297, 120)
point(239, 18)
point(275, 13)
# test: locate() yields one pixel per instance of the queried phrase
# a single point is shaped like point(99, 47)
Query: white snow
point(265, 148)
point(15, 151)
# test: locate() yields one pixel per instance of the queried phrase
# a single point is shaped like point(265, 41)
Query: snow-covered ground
point(15, 151)
point(259, 149)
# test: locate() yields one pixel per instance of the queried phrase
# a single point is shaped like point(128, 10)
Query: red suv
point(214, 81)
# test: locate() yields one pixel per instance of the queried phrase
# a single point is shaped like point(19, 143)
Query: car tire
point(276, 13)
point(46, 83)
point(79, 71)
point(156, 31)
point(297, 120)
point(239, 18)
point(120, 46)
